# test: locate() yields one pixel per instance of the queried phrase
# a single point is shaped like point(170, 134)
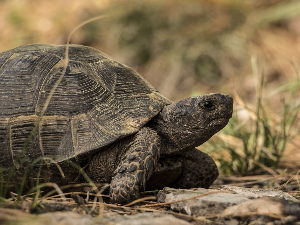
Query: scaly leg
point(198, 170)
point(135, 167)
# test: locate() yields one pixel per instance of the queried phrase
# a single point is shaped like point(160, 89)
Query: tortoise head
point(192, 121)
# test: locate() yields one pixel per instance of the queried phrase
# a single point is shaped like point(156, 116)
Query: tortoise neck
point(181, 127)
point(163, 127)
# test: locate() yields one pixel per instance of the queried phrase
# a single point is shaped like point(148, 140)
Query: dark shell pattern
point(97, 102)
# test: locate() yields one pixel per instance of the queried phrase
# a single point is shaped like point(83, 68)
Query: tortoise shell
point(97, 102)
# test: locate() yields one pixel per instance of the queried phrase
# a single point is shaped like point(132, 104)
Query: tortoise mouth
point(221, 121)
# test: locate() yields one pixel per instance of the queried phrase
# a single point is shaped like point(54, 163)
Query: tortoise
point(106, 119)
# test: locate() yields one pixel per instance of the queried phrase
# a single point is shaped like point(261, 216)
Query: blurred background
point(249, 49)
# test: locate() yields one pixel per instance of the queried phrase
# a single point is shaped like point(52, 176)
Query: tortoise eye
point(208, 105)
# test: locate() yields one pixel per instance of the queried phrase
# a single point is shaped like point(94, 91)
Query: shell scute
point(97, 102)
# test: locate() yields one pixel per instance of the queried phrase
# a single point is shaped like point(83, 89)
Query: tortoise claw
point(123, 190)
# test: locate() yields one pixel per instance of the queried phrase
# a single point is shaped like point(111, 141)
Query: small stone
point(210, 202)
point(149, 219)
point(259, 192)
point(266, 206)
point(206, 205)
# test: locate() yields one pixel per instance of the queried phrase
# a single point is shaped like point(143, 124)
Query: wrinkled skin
point(163, 152)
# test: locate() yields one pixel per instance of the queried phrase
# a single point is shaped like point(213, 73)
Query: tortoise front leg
point(136, 167)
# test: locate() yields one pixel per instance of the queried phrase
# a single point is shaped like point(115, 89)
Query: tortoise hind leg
point(198, 170)
point(166, 172)
point(136, 167)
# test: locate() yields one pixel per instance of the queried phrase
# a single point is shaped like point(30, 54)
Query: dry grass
point(194, 47)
